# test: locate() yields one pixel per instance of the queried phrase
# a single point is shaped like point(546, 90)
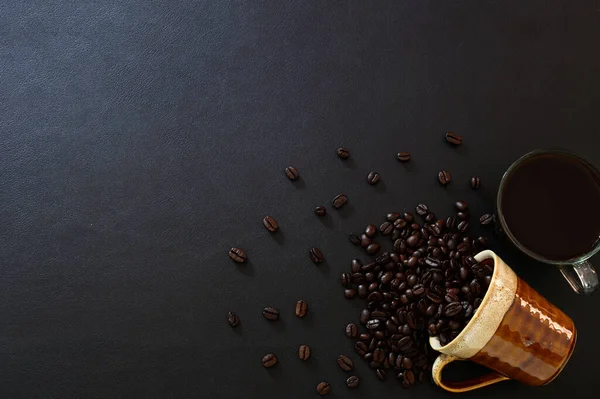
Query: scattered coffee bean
point(323, 388)
point(354, 239)
point(343, 153)
point(486, 219)
point(373, 178)
point(351, 330)
point(233, 319)
point(462, 215)
point(370, 231)
point(238, 255)
point(463, 226)
point(316, 255)
point(461, 206)
point(475, 182)
point(339, 201)
point(291, 173)
point(380, 373)
point(444, 177)
point(271, 313)
point(421, 209)
point(403, 156)
point(349, 293)
point(345, 363)
point(320, 211)
point(372, 249)
point(269, 360)
point(301, 308)
point(270, 224)
point(386, 228)
point(453, 138)
point(352, 381)
point(304, 352)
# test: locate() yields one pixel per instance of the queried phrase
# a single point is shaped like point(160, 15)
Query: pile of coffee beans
point(430, 285)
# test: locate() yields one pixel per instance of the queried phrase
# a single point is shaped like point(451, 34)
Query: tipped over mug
point(515, 332)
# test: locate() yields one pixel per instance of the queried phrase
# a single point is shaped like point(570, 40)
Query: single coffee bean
point(451, 222)
point(351, 330)
point(365, 316)
point(380, 373)
point(475, 182)
point(269, 360)
point(486, 219)
point(271, 313)
point(372, 249)
point(461, 206)
point(291, 173)
point(370, 231)
point(339, 201)
point(316, 255)
point(403, 156)
point(354, 239)
point(444, 177)
point(421, 209)
point(452, 309)
point(453, 138)
point(361, 348)
point(378, 355)
point(462, 215)
point(349, 293)
point(301, 308)
point(345, 363)
point(352, 381)
point(409, 376)
point(386, 228)
point(392, 217)
point(320, 211)
point(374, 324)
point(304, 352)
point(238, 255)
point(463, 226)
point(343, 153)
point(323, 388)
point(346, 279)
point(373, 178)
point(233, 319)
point(270, 223)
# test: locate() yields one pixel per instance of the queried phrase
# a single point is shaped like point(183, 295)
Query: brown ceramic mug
point(515, 332)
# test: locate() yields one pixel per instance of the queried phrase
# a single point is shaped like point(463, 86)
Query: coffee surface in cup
point(551, 204)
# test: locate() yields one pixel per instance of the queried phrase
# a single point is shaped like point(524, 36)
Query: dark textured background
point(140, 140)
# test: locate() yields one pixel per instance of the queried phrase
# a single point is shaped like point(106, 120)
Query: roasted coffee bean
point(475, 182)
point(400, 223)
point(370, 231)
point(356, 265)
point(351, 330)
point(301, 308)
point(409, 376)
point(413, 240)
point(321, 211)
point(444, 177)
point(378, 355)
point(346, 279)
point(304, 352)
point(380, 373)
point(453, 138)
point(373, 178)
point(418, 290)
point(233, 319)
point(291, 173)
point(361, 348)
point(461, 206)
point(462, 215)
point(403, 156)
point(270, 224)
point(452, 309)
point(451, 222)
point(407, 363)
point(343, 153)
point(269, 360)
point(486, 219)
point(352, 381)
point(339, 201)
point(422, 209)
point(349, 293)
point(323, 388)
point(408, 217)
point(345, 363)
point(365, 241)
point(463, 226)
point(391, 217)
point(238, 255)
point(354, 239)
point(372, 249)
point(271, 313)
point(373, 324)
point(316, 255)
point(386, 228)
point(430, 217)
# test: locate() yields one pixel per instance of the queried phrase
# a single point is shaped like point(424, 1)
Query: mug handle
point(463, 386)
point(581, 276)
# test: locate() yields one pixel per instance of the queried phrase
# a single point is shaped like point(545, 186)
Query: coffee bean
point(339, 201)
point(301, 308)
point(451, 222)
point(352, 381)
point(462, 215)
point(349, 293)
point(463, 226)
point(378, 355)
point(323, 388)
point(386, 228)
point(370, 231)
point(372, 249)
point(403, 156)
point(380, 373)
point(233, 319)
point(407, 363)
point(345, 363)
point(409, 376)
point(320, 211)
point(270, 224)
point(475, 182)
point(452, 309)
point(271, 313)
point(351, 330)
point(316, 255)
point(444, 177)
point(365, 316)
point(486, 219)
point(373, 178)
point(238, 255)
point(343, 153)
point(374, 324)
point(291, 173)
point(304, 352)
point(422, 209)
point(361, 348)
point(453, 138)
point(392, 217)
point(461, 206)
point(354, 239)
point(269, 360)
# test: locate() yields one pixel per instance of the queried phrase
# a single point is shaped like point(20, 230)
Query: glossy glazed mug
point(515, 332)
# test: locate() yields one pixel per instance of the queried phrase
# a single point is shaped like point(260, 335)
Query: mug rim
point(504, 225)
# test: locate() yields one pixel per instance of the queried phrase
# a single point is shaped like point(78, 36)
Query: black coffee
point(551, 204)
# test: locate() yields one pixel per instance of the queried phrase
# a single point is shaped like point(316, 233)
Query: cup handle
point(581, 276)
point(463, 386)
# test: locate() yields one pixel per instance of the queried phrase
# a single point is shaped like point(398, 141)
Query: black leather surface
point(139, 140)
